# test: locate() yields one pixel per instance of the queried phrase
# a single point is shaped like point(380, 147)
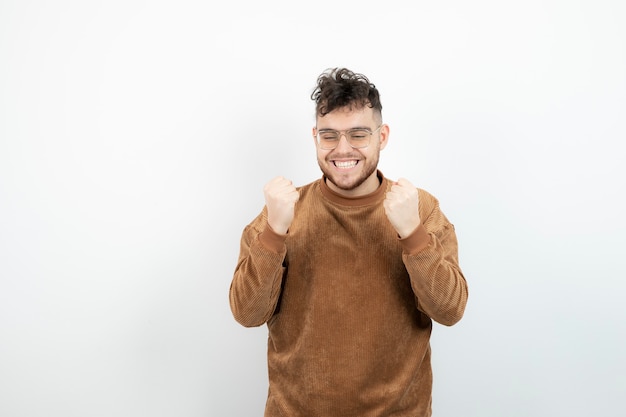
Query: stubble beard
point(369, 168)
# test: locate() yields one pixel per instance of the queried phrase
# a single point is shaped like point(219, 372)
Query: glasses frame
point(344, 133)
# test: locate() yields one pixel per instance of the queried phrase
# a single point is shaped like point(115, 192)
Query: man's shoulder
point(426, 195)
point(307, 189)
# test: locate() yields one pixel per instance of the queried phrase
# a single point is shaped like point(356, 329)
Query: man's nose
point(343, 144)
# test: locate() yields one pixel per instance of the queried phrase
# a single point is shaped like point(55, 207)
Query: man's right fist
point(280, 198)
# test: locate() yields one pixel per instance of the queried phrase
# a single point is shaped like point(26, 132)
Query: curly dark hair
point(340, 87)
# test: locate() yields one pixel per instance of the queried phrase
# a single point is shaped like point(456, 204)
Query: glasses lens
point(359, 138)
point(328, 139)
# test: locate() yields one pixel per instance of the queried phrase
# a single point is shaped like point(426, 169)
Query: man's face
point(350, 171)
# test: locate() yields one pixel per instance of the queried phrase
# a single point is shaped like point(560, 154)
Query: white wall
point(135, 138)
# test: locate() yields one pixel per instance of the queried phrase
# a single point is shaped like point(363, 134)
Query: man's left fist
point(402, 207)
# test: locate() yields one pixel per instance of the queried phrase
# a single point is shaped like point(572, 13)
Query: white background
point(136, 136)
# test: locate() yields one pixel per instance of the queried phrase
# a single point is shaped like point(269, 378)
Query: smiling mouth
point(346, 164)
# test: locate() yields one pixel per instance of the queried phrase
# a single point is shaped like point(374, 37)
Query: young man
point(348, 272)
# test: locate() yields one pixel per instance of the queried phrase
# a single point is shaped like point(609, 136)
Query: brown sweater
point(348, 305)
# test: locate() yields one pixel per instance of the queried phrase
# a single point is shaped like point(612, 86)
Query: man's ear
point(384, 136)
point(314, 132)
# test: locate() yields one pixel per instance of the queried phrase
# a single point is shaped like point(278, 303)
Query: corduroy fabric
point(348, 305)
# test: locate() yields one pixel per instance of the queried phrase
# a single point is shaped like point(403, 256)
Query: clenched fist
point(280, 198)
point(402, 207)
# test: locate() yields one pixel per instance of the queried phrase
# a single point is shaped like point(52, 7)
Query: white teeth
point(345, 164)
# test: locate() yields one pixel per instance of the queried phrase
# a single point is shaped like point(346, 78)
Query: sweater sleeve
point(257, 281)
point(430, 255)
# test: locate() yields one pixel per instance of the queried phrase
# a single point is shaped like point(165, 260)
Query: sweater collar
point(363, 200)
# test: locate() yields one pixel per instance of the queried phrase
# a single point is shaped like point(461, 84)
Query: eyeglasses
point(357, 138)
